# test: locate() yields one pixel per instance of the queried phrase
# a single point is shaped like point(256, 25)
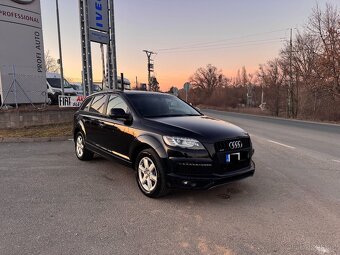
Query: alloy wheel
point(147, 174)
point(80, 146)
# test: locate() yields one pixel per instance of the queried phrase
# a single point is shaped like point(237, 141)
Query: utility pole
point(290, 85)
point(150, 66)
point(60, 52)
point(85, 47)
point(112, 48)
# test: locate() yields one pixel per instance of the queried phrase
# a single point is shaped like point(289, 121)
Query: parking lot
point(51, 203)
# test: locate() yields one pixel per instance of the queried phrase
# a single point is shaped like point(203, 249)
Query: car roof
point(128, 92)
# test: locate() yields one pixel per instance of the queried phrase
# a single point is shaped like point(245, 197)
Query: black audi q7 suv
point(169, 143)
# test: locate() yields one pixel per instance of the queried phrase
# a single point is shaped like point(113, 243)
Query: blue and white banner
point(99, 15)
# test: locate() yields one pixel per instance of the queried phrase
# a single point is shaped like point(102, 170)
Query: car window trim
point(105, 104)
point(89, 103)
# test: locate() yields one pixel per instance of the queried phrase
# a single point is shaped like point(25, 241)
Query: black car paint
point(125, 139)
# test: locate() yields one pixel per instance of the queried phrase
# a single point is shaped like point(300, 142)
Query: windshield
point(55, 83)
point(161, 105)
point(77, 87)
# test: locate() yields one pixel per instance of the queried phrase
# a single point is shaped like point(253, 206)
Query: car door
point(117, 132)
point(95, 121)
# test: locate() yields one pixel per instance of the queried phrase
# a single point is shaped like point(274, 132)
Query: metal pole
point(83, 82)
point(122, 81)
point(113, 44)
point(108, 67)
point(290, 86)
point(149, 54)
point(88, 48)
point(60, 51)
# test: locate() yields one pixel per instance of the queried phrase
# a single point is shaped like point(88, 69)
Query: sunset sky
point(228, 34)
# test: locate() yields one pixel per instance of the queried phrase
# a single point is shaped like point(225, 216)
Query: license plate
point(233, 157)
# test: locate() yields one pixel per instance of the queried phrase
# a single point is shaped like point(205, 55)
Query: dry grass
point(56, 130)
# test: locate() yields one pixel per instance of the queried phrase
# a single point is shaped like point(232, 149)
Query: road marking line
point(70, 140)
point(337, 161)
point(281, 144)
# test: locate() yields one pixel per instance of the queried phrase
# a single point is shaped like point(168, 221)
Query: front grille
point(223, 146)
point(188, 169)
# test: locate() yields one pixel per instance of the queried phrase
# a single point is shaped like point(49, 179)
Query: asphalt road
point(51, 203)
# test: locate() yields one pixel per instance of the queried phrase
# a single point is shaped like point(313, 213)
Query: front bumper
point(206, 177)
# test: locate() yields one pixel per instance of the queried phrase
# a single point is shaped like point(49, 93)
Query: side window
point(86, 104)
point(116, 101)
point(98, 104)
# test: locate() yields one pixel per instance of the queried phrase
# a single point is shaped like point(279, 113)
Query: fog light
point(185, 182)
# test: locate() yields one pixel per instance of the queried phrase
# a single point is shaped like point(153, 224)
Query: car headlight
point(182, 142)
point(55, 90)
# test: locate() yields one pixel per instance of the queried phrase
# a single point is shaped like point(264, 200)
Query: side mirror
point(118, 113)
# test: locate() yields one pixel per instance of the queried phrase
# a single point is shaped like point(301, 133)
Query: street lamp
point(60, 52)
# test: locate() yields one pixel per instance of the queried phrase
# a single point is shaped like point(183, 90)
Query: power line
point(228, 44)
point(226, 47)
point(220, 41)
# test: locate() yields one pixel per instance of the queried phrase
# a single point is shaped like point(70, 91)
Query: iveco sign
point(23, 1)
point(22, 68)
point(98, 15)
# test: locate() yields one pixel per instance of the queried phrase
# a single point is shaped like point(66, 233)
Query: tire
point(150, 174)
point(82, 153)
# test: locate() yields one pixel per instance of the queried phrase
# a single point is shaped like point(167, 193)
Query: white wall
point(21, 52)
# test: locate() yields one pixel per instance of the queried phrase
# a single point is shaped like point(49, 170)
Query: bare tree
point(208, 79)
point(273, 79)
point(310, 68)
point(50, 63)
point(154, 84)
point(325, 25)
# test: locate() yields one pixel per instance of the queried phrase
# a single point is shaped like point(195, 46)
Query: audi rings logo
point(23, 1)
point(235, 145)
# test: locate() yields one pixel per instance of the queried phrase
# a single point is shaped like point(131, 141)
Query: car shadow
point(114, 170)
point(223, 192)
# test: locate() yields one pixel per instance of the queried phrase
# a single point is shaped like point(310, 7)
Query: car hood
point(204, 128)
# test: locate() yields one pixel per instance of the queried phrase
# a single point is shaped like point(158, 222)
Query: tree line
point(303, 81)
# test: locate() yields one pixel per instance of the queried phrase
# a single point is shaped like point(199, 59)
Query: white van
point(54, 87)
point(127, 85)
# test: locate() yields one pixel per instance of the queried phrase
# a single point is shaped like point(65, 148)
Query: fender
point(149, 140)
point(80, 125)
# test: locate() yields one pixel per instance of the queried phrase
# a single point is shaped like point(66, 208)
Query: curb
point(33, 140)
